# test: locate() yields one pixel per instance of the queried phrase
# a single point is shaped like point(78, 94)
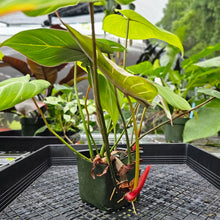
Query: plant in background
point(186, 77)
point(17, 90)
point(63, 113)
point(109, 82)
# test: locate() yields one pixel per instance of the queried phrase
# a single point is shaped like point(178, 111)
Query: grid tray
point(172, 191)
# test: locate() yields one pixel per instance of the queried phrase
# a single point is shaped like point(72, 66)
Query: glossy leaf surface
point(207, 124)
point(52, 47)
point(131, 85)
point(139, 28)
point(16, 90)
point(172, 98)
point(46, 46)
point(108, 98)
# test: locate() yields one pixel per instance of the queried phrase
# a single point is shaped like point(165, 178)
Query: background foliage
point(200, 19)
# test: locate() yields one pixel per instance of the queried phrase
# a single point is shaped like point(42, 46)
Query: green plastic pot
point(174, 133)
point(98, 191)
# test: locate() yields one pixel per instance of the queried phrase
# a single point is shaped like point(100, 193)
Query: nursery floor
point(170, 192)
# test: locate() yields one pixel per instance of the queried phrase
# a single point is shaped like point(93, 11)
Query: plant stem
point(142, 119)
point(81, 113)
point(125, 127)
point(100, 116)
point(99, 112)
point(115, 134)
point(137, 159)
point(54, 133)
point(87, 113)
point(115, 144)
point(178, 116)
point(64, 129)
point(126, 44)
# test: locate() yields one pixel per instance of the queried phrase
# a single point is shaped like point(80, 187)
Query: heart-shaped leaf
point(50, 47)
point(16, 90)
point(139, 28)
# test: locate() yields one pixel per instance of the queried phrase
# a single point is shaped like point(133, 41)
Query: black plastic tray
point(13, 141)
point(184, 184)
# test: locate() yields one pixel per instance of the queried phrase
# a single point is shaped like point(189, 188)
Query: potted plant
point(110, 83)
point(30, 118)
point(63, 114)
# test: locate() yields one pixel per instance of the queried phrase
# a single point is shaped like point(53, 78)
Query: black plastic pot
point(169, 194)
point(174, 133)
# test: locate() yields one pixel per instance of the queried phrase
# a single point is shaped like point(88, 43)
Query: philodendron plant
point(111, 84)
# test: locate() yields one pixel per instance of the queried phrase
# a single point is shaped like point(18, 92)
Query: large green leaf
point(38, 7)
point(16, 90)
point(172, 98)
point(207, 124)
point(51, 47)
point(139, 28)
point(47, 47)
point(108, 98)
point(131, 85)
point(213, 62)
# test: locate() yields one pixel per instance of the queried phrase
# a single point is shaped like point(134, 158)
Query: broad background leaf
point(16, 90)
point(207, 124)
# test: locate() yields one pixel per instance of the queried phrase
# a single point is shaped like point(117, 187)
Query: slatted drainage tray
point(172, 191)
